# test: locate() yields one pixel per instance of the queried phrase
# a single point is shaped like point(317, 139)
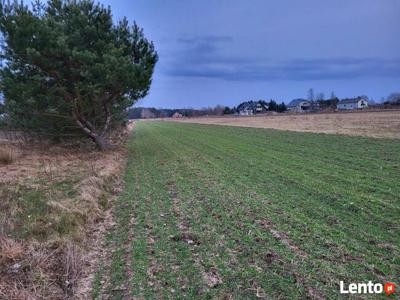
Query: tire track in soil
point(128, 259)
point(105, 251)
point(153, 269)
point(211, 278)
point(124, 220)
point(129, 263)
point(104, 263)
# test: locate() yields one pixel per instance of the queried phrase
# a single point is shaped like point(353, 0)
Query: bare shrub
point(6, 156)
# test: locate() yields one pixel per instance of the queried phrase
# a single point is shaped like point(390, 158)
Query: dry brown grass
point(10, 250)
point(378, 124)
point(53, 199)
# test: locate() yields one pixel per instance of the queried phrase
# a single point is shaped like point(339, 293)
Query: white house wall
point(348, 106)
point(355, 105)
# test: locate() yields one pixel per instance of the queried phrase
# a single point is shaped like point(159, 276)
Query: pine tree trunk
point(101, 142)
point(99, 139)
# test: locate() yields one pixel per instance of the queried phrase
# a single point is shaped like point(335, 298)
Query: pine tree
point(68, 68)
point(273, 106)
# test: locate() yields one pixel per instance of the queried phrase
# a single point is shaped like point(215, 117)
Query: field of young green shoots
point(234, 213)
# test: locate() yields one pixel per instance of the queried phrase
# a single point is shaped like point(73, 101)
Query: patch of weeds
point(66, 187)
point(33, 217)
point(103, 201)
point(31, 211)
point(67, 223)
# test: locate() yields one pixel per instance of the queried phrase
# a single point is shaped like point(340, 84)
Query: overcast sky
point(226, 51)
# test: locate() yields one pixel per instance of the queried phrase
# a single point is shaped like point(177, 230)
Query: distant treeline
point(151, 112)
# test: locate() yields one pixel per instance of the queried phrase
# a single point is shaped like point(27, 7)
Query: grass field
point(234, 213)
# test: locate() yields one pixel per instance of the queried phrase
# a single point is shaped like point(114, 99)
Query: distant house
point(261, 107)
point(251, 107)
point(177, 115)
point(299, 105)
point(353, 103)
point(246, 111)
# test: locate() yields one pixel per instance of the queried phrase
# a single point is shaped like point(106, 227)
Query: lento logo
point(367, 288)
point(389, 288)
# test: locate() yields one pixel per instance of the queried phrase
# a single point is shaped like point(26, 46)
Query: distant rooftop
point(296, 102)
point(349, 100)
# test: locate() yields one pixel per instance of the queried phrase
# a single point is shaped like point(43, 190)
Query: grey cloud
point(310, 69)
point(208, 56)
point(206, 39)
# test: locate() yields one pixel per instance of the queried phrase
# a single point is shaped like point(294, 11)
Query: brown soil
point(378, 124)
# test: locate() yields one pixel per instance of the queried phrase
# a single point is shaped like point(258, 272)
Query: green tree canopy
point(281, 107)
point(272, 105)
point(67, 67)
